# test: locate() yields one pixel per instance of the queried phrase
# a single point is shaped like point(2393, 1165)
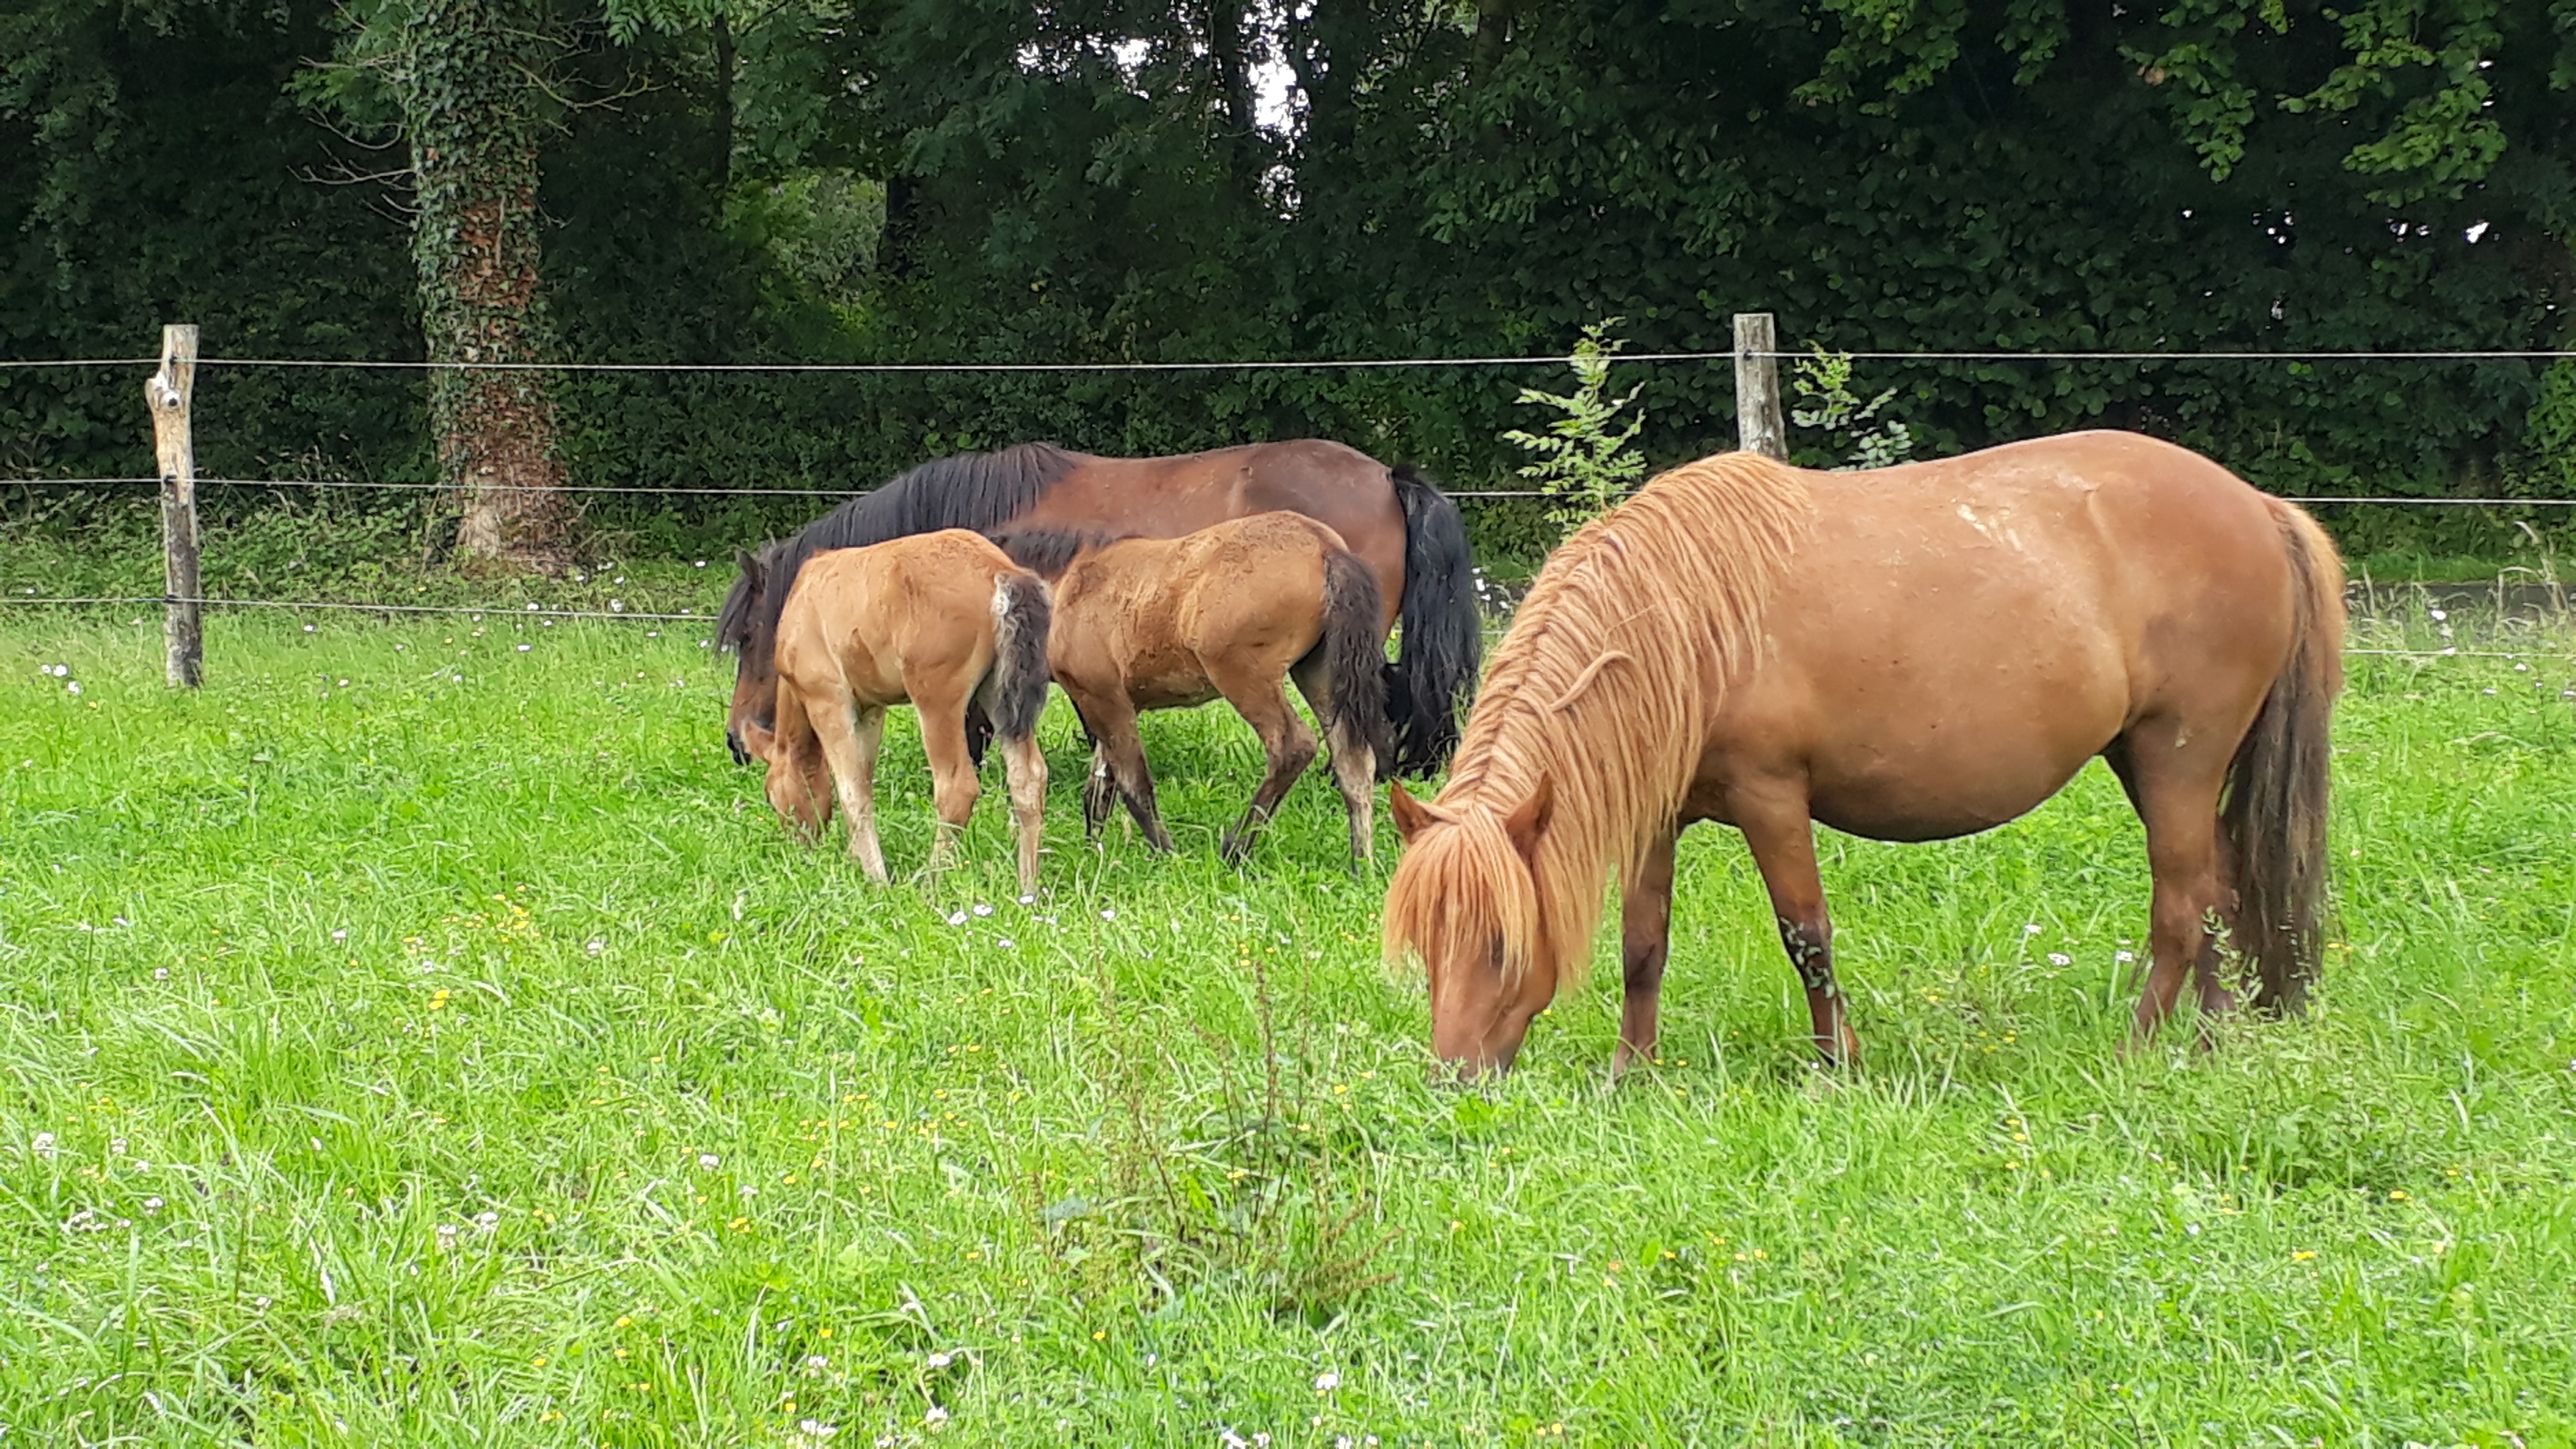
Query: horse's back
point(2101, 531)
point(1163, 615)
point(1331, 483)
point(875, 616)
point(1956, 638)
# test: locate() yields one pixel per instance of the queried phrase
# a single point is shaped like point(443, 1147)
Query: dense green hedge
point(1461, 182)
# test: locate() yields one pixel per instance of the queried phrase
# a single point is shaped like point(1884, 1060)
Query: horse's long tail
point(2275, 816)
point(1015, 692)
point(1435, 667)
point(1354, 660)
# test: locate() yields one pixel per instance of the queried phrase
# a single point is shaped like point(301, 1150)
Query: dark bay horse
point(934, 620)
point(1407, 532)
point(1911, 653)
point(1233, 611)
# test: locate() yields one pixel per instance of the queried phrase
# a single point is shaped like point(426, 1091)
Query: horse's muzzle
point(733, 742)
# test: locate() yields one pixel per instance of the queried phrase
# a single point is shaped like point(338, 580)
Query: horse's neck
point(1593, 826)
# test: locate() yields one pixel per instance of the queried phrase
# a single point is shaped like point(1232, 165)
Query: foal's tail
point(2275, 816)
point(1353, 659)
point(1014, 694)
point(1435, 666)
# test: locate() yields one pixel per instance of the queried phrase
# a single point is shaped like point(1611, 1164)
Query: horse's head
point(748, 626)
point(1465, 900)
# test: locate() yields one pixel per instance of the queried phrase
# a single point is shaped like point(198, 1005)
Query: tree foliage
point(1585, 459)
point(1823, 379)
point(1179, 179)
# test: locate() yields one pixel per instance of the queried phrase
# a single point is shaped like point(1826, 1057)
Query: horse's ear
point(1528, 821)
point(1411, 815)
point(744, 560)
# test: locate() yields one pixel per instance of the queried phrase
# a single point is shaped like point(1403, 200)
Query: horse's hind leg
point(2217, 998)
point(1026, 764)
point(2174, 776)
point(1354, 770)
point(1261, 697)
point(1354, 761)
point(953, 786)
point(1782, 837)
point(1099, 792)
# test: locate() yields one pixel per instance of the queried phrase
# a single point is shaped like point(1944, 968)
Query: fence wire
point(499, 611)
point(661, 491)
point(536, 611)
point(1239, 365)
point(1317, 364)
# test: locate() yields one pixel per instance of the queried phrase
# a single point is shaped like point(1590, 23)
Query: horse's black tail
point(1443, 642)
point(1015, 692)
point(2275, 815)
point(1354, 659)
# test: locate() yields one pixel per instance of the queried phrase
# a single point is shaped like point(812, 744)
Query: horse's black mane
point(973, 490)
point(1048, 552)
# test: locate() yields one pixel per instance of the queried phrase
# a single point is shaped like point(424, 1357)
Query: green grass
point(395, 1057)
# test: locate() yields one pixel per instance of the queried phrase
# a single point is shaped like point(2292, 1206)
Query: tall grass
point(416, 1038)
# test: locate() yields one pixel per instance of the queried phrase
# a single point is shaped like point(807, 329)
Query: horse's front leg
point(1118, 763)
point(1782, 837)
point(1645, 940)
point(1099, 793)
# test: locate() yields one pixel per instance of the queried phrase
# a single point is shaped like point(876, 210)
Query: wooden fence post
point(1758, 425)
point(169, 392)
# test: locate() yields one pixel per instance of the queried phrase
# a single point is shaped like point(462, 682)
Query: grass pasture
point(424, 1036)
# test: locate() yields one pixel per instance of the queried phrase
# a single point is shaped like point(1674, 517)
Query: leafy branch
point(1584, 460)
point(1824, 380)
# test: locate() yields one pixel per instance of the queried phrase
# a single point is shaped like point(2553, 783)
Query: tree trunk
point(466, 80)
point(1233, 77)
point(1493, 32)
point(1238, 139)
point(721, 104)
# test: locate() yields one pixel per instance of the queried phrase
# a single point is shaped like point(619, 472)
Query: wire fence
point(657, 490)
point(540, 612)
point(499, 611)
point(1313, 364)
point(2452, 355)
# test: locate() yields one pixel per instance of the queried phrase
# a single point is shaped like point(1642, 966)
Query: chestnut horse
point(1912, 653)
point(937, 619)
point(1407, 533)
point(1233, 610)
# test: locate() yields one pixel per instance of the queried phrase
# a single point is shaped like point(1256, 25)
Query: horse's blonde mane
point(1606, 687)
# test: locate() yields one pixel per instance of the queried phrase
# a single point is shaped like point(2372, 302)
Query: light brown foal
point(936, 620)
point(1232, 611)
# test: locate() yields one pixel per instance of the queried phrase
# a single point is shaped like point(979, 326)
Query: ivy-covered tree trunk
point(467, 85)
